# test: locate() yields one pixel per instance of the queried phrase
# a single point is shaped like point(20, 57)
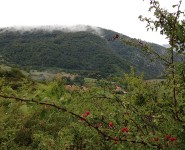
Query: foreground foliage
point(49, 116)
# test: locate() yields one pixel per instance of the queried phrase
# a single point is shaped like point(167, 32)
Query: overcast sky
point(118, 15)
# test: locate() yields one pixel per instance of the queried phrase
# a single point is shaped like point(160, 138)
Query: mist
point(51, 28)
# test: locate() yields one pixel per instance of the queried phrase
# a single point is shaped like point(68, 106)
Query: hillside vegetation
point(82, 50)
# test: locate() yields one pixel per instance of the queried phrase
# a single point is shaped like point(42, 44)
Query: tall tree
point(171, 24)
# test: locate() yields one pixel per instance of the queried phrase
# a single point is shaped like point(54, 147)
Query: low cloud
point(51, 28)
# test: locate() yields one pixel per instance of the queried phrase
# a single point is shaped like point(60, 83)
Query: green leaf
point(174, 6)
point(43, 114)
point(24, 109)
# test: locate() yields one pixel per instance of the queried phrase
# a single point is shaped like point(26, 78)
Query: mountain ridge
point(87, 48)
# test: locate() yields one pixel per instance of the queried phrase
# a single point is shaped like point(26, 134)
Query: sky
point(118, 15)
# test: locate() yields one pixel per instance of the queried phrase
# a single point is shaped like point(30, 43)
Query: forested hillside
point(82, 50)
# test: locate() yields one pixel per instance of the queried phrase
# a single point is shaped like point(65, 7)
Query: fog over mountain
point(166, 45)
point(51, 28)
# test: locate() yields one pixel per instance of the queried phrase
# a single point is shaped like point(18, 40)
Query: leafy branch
point(106, 136)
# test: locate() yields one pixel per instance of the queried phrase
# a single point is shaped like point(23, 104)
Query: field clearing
point(49, 76)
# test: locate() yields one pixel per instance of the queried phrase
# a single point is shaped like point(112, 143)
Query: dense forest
point(76, 112)
point(83, 50)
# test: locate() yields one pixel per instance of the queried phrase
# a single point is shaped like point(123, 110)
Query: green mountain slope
point(82, 50)
point(136, 57)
